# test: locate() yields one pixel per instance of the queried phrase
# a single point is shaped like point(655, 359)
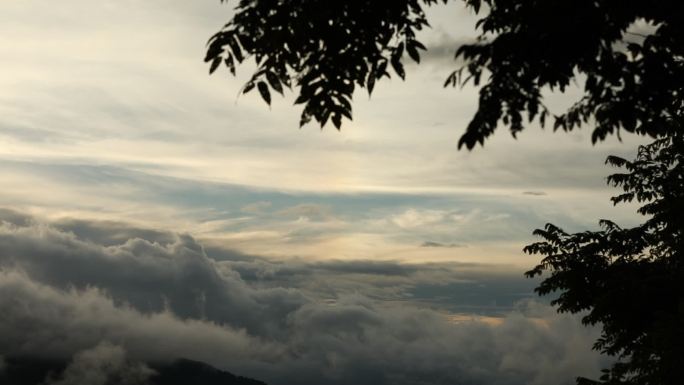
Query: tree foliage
point(632, 82)
point(326, 49)
point(629, 280)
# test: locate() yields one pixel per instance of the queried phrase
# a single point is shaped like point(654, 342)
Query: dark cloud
point(438, 244)
point(104, 364)
point(71, 286)
point(442, 51)
point(44, 321)
point(110, 233)
point(479, 293)
point(534, 193)
point(148, 275)
point(389, 268)
point(484, 289)
point(15, 217)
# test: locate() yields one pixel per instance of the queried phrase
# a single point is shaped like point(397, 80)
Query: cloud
point(436, 351)
point(441, 51)
point(104, 364)
point(111, 233)
point(438, 244)
point(145, 274)
point(48, 322)
point(417, 218)
point(256, 207)
point(346, 226)
point(66, 294)
point(15, 217)
point(310, 211)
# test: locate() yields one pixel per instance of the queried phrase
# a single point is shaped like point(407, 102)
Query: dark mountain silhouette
point(188, 372)
point(29, 371)
point(34, 371)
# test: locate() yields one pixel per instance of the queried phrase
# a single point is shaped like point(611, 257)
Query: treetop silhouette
point(326, 49)
point(628, 280)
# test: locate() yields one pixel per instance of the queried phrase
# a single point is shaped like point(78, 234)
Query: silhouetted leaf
point(274, 82)
point(371, 83)
point(337, 120)
point(265, 93)
point(248, 87)
point(215, 64)
point(413, 53)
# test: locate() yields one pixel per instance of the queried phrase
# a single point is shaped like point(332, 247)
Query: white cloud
point(414, 218)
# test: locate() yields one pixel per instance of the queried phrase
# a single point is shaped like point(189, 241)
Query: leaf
point(265, 94)
point(398, 67)
point(301, 99)
point(346, 113)
point(412, 49)
point(370, 83)
point(215, 63)
point(325, 114)
point(235, 47)
point(306, 118)
point(274, 82)
point(381, 70)
point(248, 87)
point(230, 64)
point(418, 45)
point(451, 79)
point(337, 120)
point(476, 6)
point(413, 53)
point(398, 53)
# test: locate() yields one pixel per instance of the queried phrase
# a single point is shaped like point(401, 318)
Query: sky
point(143, 199)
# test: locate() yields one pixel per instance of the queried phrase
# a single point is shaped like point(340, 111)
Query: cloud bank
point(65, 294)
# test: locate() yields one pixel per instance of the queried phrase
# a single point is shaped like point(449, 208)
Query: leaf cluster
point(323, 48)
point(527, 46)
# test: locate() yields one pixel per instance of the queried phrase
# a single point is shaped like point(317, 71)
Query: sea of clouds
point(96, 292)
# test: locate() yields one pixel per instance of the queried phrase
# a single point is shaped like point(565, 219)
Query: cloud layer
point(158, 296)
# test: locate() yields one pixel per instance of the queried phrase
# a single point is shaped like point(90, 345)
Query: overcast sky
point(108, 112)
point(111, 130)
